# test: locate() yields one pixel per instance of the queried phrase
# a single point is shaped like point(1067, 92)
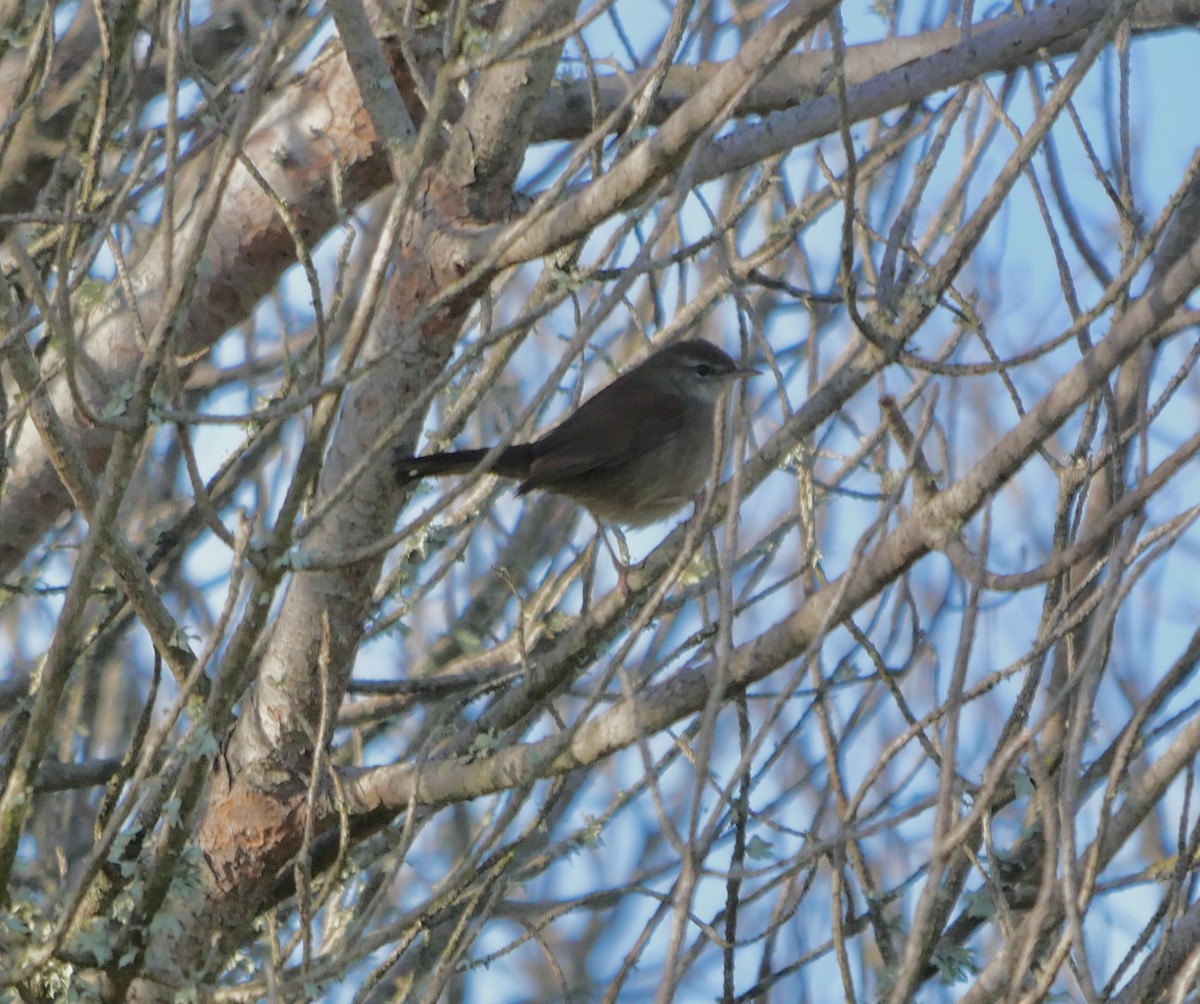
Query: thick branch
point(315, 125)
point(800, 78)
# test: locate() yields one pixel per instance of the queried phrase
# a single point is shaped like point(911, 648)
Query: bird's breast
point(655, 484)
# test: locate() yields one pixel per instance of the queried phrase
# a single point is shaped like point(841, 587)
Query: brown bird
point(633, 453)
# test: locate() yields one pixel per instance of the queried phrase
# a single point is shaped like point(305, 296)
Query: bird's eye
point(704, 370)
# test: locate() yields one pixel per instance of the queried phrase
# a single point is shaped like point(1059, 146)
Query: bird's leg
point(621, 562)
point(697, 499)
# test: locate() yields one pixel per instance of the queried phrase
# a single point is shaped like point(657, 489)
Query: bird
point(632, 454)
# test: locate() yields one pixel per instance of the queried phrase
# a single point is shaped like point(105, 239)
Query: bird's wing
point(614, 427)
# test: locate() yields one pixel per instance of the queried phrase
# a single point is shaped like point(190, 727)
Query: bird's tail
point(512, 462)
